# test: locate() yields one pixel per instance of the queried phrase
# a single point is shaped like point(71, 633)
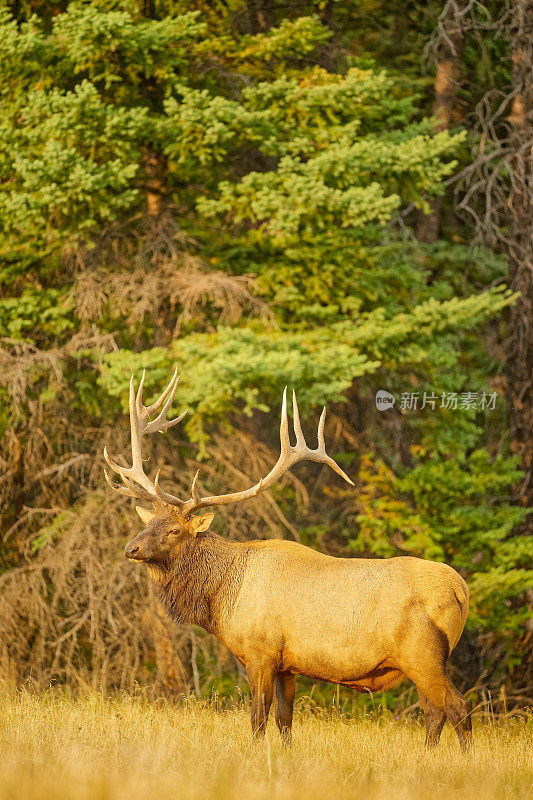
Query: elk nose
point(131, 551)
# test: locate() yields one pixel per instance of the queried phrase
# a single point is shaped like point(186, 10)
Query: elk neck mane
point(202, 581)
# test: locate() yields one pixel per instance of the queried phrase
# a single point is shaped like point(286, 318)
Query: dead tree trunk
point(520, 205)
point(446, 85)
point(19, 478)
point(12, 495)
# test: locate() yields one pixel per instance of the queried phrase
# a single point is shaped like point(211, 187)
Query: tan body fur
point(355, 622)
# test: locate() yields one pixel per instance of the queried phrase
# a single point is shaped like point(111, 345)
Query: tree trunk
point(520, 346)
point(146, 7)
point(260, 15)
point(157, 201)
point(156, 182)
point(446, 84)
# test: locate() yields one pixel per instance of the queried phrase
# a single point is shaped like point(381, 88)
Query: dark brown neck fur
point(202, 582)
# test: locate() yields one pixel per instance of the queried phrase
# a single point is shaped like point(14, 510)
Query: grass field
point(52, 747)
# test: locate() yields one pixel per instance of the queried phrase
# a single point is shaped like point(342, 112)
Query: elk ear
point(199, 524)
point(145, 514)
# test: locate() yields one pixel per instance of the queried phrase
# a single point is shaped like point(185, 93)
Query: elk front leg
point(285, 688)
point(261, 677)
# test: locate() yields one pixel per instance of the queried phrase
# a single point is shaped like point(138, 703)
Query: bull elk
point(284, 609)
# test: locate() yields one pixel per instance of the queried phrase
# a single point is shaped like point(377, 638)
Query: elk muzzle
point(134, 551)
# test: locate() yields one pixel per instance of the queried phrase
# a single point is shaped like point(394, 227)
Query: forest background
point(330, 195)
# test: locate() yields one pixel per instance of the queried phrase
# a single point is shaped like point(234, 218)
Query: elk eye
point(174, 533)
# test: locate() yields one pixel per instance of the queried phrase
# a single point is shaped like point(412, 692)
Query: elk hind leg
point(433, 719)
point(285, 689)
point(458, 712)
point(429, 675)
point(261, 677)
point(443, 695)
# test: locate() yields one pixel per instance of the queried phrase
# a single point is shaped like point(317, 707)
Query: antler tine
point(168, 401)
point(320, 434)
point(300, 438)
point(194, 491)
point(161, 423)
point(126, 473)
point(335, 467)
point(113, 464)
point(321, 450)
point(171, 387)
point(285, 441)
point(128, 490)
point(165, 497)
point(122, 471)
point(139, 398)
point(137, 491)
point(114, 484)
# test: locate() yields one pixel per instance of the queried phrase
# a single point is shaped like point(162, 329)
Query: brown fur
point(284, 609)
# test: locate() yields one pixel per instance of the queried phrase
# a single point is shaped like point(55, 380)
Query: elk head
point(159, 543)
point(172, 520)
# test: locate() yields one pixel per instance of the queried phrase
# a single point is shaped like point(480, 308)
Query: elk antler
point(137, 484)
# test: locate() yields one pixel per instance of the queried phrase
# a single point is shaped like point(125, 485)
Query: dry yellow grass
point(55, 748)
